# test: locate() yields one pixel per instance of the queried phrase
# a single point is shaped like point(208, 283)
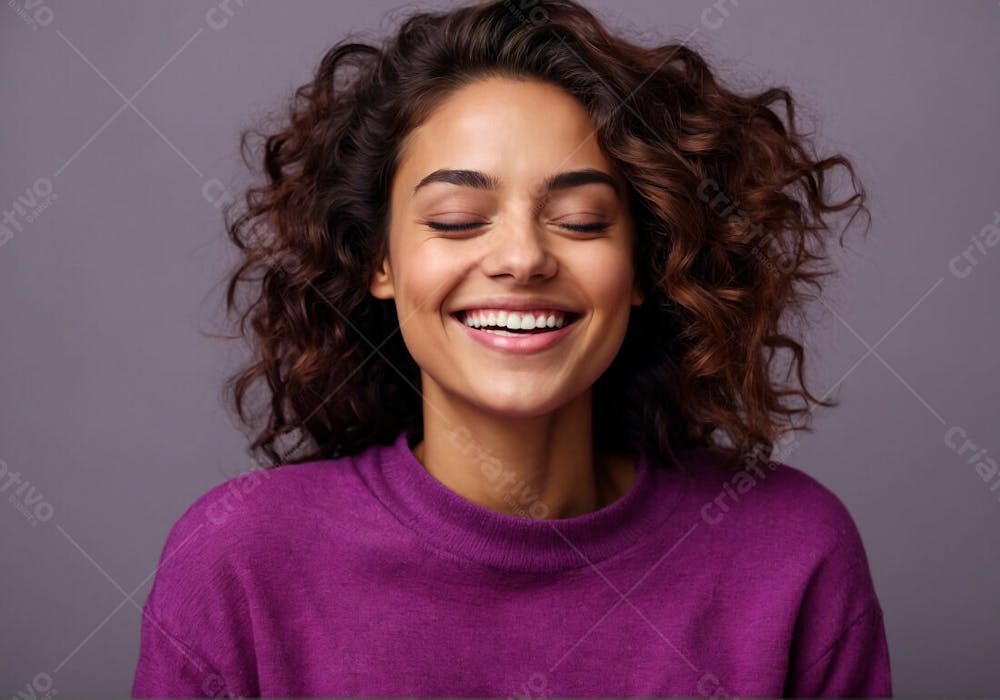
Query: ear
point(381, 284)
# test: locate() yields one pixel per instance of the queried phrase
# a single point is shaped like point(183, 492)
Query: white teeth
point(521, 321)
point(512, 320)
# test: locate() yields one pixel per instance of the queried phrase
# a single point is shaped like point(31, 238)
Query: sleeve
point(196, 637)
point(839, 645)
point(167, 667)
point(855, 665)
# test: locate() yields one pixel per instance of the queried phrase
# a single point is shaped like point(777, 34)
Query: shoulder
point(786, 543)
point(773, 500)
point(254, 495)
point(225, 534)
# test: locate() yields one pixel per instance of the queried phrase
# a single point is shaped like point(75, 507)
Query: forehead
point(520, 130)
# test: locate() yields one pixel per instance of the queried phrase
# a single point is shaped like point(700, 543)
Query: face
point(497, 236)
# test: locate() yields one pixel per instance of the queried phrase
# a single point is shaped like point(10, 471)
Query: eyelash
point(580, 228)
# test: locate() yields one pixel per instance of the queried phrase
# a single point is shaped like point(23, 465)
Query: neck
point(540, 466)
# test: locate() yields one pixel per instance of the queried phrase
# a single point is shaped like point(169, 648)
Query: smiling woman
point(522, 353)
point(477, 254)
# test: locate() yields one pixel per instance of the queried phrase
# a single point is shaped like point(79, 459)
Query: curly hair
point(731, 219)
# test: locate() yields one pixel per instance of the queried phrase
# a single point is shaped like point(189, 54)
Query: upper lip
point(517, 304)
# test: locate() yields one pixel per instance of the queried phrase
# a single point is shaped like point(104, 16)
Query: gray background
point(110, 404)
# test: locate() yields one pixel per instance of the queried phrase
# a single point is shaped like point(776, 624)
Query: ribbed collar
point(451, 522)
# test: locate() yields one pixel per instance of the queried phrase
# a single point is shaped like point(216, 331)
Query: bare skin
point(528, 415)
point(614, 475)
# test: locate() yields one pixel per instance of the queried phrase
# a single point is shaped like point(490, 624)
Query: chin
point(520, 405)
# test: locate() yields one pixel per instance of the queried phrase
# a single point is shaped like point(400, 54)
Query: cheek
point(605, 273)
point(430, 271)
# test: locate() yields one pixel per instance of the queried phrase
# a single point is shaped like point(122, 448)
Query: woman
point(517, 285)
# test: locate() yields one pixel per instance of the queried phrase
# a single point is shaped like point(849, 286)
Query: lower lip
point(525, 344)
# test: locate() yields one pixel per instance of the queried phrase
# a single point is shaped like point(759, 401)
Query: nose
point(519, 251)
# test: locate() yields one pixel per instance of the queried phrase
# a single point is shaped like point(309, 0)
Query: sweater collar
point(468, 530)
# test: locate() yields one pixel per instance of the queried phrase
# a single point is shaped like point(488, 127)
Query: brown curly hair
point(731, 219)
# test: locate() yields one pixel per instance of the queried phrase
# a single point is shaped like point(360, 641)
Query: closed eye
point(583, 228)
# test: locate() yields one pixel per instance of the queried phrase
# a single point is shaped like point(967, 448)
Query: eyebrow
point(484, 181)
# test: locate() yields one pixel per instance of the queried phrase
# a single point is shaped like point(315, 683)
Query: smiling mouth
point(502, 325)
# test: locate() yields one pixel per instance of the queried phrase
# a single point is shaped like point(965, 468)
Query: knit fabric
point(367, 576)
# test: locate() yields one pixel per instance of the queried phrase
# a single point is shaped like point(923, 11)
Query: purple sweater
point(367, 576)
